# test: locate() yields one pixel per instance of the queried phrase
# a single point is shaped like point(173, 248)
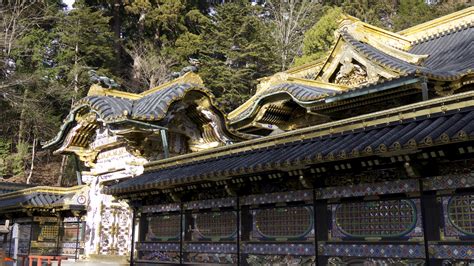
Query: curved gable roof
point(114, 106)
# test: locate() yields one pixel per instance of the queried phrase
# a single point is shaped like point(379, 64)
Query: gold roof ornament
point(442, 25)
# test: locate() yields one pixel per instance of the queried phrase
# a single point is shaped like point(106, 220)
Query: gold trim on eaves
point(411, 111)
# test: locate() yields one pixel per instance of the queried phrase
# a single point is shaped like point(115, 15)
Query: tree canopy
point(47, 52)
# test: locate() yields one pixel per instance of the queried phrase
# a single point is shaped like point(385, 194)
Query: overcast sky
point(69, 3)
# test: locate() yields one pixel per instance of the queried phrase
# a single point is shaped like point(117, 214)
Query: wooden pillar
point(315, 222)
point(321, 228)
point(238, 230)
point(132, 248)
point(424, 90)
point(181, 232)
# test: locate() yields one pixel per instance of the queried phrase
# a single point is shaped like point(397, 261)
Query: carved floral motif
point(351, 74)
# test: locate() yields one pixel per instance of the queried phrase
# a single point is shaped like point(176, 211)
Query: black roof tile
point(328, 147)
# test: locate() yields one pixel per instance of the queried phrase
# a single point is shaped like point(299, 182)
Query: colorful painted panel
point(381, 219)
point(278, 197)
point(220, 253)
point(210, 204)
point(161, 208)
point(280, 260)
point(211, 258)
point(460, 211)
point(278, 249)
point(283, 223)
point(389, 187)
point(374, 261)
point(215, 225)
point(449, 182)
point(452, 251)
point(159, 252)
point(44, 248)
point(163, 227)
point(373, 251)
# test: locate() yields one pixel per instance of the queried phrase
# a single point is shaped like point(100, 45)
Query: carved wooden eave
point(133, 120)
point(394, 132)
point(268, 109)
point(45, 198)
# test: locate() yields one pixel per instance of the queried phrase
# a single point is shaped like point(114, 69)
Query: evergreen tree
point(412, 12)
point(236, 50)
point(375, 12)
point(85, 43)
point(319, 38)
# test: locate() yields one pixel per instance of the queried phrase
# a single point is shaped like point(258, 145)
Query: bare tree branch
point(291, 18)
point(150, 68)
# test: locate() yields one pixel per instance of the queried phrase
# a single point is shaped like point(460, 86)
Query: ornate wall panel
point(283, 224)
point(449, 182)
point(45, 236)
point(380, 219)
point(161, 234)
point(282, 229)
point(278, 254)
point(163, 227)
point(278, 197)
point(212, 227)
point(374, 261)
point(383, 188)
point(219, 253)
point(458, 214)
point(115, 230)
point(215, 226)
point(373, 250)
point(72, 237)
point(210, 204)
point(161, 208)
point(159, 252)
point(461, 252)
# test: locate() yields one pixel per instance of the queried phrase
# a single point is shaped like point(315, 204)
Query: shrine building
point(363, 158)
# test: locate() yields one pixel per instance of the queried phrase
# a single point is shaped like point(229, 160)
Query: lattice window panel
point(461, 213)
point(377, 218)
point(216, 224)
point(48, 232)
point(284, 222)
point(163, 227)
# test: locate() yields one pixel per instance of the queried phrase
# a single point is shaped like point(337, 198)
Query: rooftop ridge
point(439, 25)
point(446, 31)
point(189, 77)
point(43, 189)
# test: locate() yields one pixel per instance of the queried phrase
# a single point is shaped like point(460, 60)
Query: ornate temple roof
point(134, 117)
point(150, 106)
point(397, 131)
point(367, 68)
point(41, 197)
point(114, 106)
point(365, 56)
point(7, 187)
